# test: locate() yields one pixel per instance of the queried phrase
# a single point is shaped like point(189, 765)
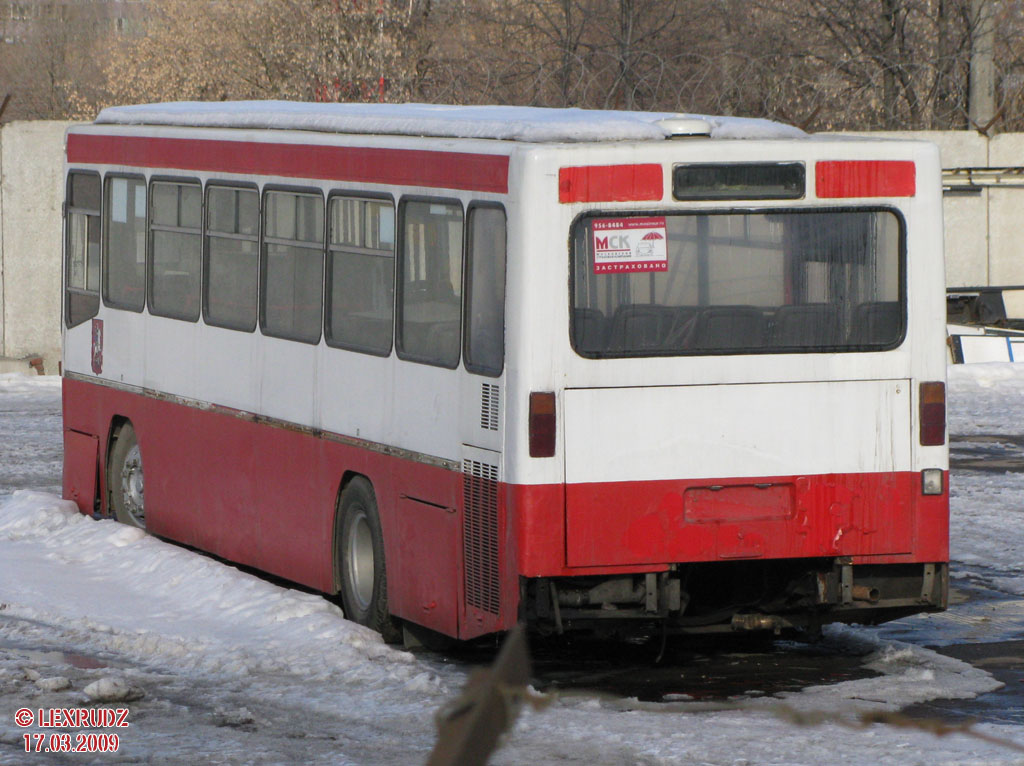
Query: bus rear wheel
point(125, 479)
point(360, 558)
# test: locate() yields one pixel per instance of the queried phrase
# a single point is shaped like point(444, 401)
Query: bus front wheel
point(364, 589)
point(125, 479)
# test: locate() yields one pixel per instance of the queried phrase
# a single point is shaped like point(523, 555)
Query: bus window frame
point(262, 287)
point(467, 269)
point(399, 281)
point(205, 275)
point(745, 210)
point(69, 209)
point(150, 271)
point(105, 245)
point(368, 197)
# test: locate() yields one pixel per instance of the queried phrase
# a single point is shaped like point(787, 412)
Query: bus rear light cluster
point(542, 424)
point(931, 481)
point(933, 414)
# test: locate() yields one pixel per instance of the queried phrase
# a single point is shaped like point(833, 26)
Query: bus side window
point(360, 274)
point(82, 276)
point(232, 268)
point(124, 252)
point(430, 289)
point(293, 262)
point(175, 249)
point(485, 286)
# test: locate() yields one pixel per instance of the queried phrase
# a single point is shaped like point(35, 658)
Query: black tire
point(125, 481)
point(360, 561)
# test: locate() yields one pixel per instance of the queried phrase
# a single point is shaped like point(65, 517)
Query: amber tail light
point(933, 414)
point(542, 424)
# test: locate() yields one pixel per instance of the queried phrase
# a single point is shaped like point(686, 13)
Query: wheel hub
point(360, 560)
point(132, 486)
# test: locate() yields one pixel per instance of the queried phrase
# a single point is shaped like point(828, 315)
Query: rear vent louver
point(480, 536)
point(489, 403)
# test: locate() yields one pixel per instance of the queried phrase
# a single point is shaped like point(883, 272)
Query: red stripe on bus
point(245, 491)
point(265, 496)
point(406, 167)
point(610, 183)
point(865, 178)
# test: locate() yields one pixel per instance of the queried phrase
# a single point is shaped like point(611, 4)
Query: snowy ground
point(987, 521)
point(235, 669)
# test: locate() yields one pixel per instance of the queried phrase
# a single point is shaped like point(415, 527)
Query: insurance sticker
point(630, 245)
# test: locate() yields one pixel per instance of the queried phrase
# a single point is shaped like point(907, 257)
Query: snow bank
point(987, 526)
point(908, 674)
point(31, 449)
point(987, 507)
point(129, 592)
point(517, 123)
point(986, 398)
point(15, 385)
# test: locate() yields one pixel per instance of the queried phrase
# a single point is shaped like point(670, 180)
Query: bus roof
point(513, 123)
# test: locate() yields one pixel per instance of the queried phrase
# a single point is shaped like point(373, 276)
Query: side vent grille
point(480, 536)
point(489, 404)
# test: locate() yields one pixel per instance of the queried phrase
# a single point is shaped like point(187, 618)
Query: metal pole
point(982, 84)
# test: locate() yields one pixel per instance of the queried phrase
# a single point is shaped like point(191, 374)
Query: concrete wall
point(1006, 221)
point(983, 208)
point(984, 225)
point(31, 193)
point(965, 215)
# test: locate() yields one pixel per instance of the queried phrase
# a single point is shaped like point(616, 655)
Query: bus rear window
point(737, 282)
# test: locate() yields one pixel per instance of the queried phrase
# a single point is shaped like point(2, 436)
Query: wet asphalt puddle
point(728, 671)
point(989, 453)
point(1005, 661)
point(984, 627)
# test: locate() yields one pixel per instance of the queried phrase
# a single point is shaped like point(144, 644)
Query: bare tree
point(44, 66)
point(327, 50)
point(594, 53)
point(820, 64)
point(886, 63)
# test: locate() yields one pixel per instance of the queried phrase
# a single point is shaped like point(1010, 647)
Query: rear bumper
point(579, 529)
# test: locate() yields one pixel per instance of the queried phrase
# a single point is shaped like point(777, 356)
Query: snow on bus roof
point(516, 123)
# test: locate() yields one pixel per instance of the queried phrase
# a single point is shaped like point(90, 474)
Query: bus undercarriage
point(735, 597)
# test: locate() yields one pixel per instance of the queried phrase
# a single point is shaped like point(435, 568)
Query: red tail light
point(542, 424)
point(933, 414)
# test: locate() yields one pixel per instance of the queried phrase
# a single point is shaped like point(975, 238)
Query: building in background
point(51, 52)
point(21, 19)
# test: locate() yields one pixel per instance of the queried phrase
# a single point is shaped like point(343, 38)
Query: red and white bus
point(473, 366)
